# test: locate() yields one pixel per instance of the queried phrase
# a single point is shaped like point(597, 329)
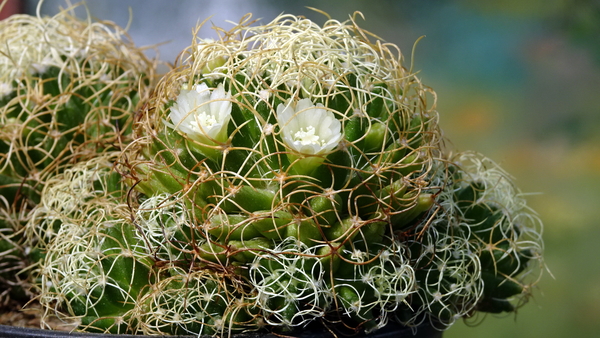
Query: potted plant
point(283, 177)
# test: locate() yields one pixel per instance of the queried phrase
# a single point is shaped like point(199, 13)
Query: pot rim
point(391, 330)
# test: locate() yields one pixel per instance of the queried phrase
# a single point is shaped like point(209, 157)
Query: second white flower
point(307, 128)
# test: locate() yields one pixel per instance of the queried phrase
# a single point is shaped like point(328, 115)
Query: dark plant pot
point(390, 331)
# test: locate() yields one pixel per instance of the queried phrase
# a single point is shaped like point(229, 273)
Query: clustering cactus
point(93, 267)
point(477, 244)
point(68, 89)
point(284, 175)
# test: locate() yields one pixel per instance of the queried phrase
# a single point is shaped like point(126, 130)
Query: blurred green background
point(517, 80)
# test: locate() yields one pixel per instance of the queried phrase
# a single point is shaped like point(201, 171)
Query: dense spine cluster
point(68, 90)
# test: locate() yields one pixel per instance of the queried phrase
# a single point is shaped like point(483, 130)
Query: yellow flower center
point(203, 120)
point(307, 136)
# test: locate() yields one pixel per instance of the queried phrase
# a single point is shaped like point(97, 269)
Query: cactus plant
point(91, 266)
point(473, 253)
point(283, 175)
point(295, 149)
point(68, 89)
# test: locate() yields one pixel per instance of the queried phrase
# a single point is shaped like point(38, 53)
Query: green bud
point(335, 171)
point(236, 199)
point(252, 199)
point(168, 180)
point(486, 222)
point(355, 306)
point(349, 297)
point(341, 102)
point(167, 148)
point(368, 232)
point(372, 233)
point(499, 260)
point(417, 130)
point(375, 108)
point(154, 181)
point(355, 128)
point(213, 64)
point(343, 230)
point(389, 197)
point(112, 322)
point(391, 159)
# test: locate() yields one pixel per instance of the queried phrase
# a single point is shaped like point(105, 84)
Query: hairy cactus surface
point(68, 89)
point(298, 152)
point(481, 238)
point(284, 175)
point(94, 267)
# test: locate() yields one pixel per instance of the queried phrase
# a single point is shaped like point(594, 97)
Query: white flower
point(202, 115)
point(308, 129)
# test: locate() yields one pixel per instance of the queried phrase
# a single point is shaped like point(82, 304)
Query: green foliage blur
point(517, 81)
